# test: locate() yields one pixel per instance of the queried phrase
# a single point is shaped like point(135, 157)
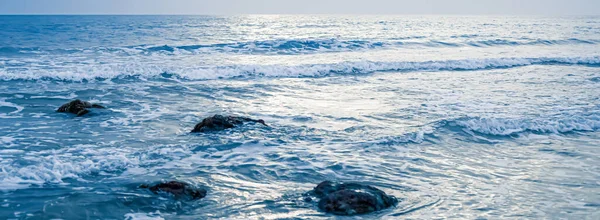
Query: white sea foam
point(499, 127)
point(4, 103)
point(495, 126)
point(6, 140)
point(55, 168)
point(78, 162)
point(413, 137)
point(10, 151)
point(70, 96)
point(144, 216)
point(92, 72)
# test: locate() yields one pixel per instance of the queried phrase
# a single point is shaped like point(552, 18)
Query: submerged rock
point(177, 189)
point(78, 107)
point(351, 198)
point(220, 122)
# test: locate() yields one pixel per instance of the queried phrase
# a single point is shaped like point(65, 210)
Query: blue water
point(458, 117)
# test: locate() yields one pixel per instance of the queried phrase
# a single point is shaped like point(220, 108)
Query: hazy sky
point(511, 7)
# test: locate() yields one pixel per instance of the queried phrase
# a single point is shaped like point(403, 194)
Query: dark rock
point(220, 122)
point(78, 107)
point(177, 189)
point(351, 198)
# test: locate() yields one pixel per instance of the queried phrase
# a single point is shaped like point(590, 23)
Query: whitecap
point(143, 71)
point(144, 216)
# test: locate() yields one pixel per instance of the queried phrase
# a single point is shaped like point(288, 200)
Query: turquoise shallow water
point(458, 117)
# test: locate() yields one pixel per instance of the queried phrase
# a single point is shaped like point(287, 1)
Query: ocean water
point(460, 117)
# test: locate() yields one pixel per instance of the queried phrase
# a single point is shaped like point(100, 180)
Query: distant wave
point(34, 50)
point(275, 46)
point(334, 45)
point(501, 42)
point(295, 46)
point(101, 72)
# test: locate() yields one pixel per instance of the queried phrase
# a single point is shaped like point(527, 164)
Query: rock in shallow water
point(351, 198)
point(178, 189)
point(78, 107)
point(220, 122)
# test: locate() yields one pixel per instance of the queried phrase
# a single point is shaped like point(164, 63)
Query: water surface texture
point(458, 117)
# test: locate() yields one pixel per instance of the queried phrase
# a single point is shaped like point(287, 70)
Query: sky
point(224, 7)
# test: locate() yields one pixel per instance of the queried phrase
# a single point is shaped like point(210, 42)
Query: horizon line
point(234, 14)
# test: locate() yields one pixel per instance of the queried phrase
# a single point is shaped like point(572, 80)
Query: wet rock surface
point(177, 189)
point(351, 198)
point(220, 122)
point(78, 107)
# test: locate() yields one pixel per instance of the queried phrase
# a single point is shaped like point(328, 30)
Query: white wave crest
point(503, 127)
point(54, 169)
point(107, 71)
point(144, 216)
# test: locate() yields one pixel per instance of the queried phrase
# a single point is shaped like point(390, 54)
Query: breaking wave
point(506, 127)
point(498, 127)
point(107, 71)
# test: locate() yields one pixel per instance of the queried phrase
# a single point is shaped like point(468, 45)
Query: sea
point(459, 117)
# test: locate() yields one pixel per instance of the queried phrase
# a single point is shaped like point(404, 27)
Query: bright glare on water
point(457, 117)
